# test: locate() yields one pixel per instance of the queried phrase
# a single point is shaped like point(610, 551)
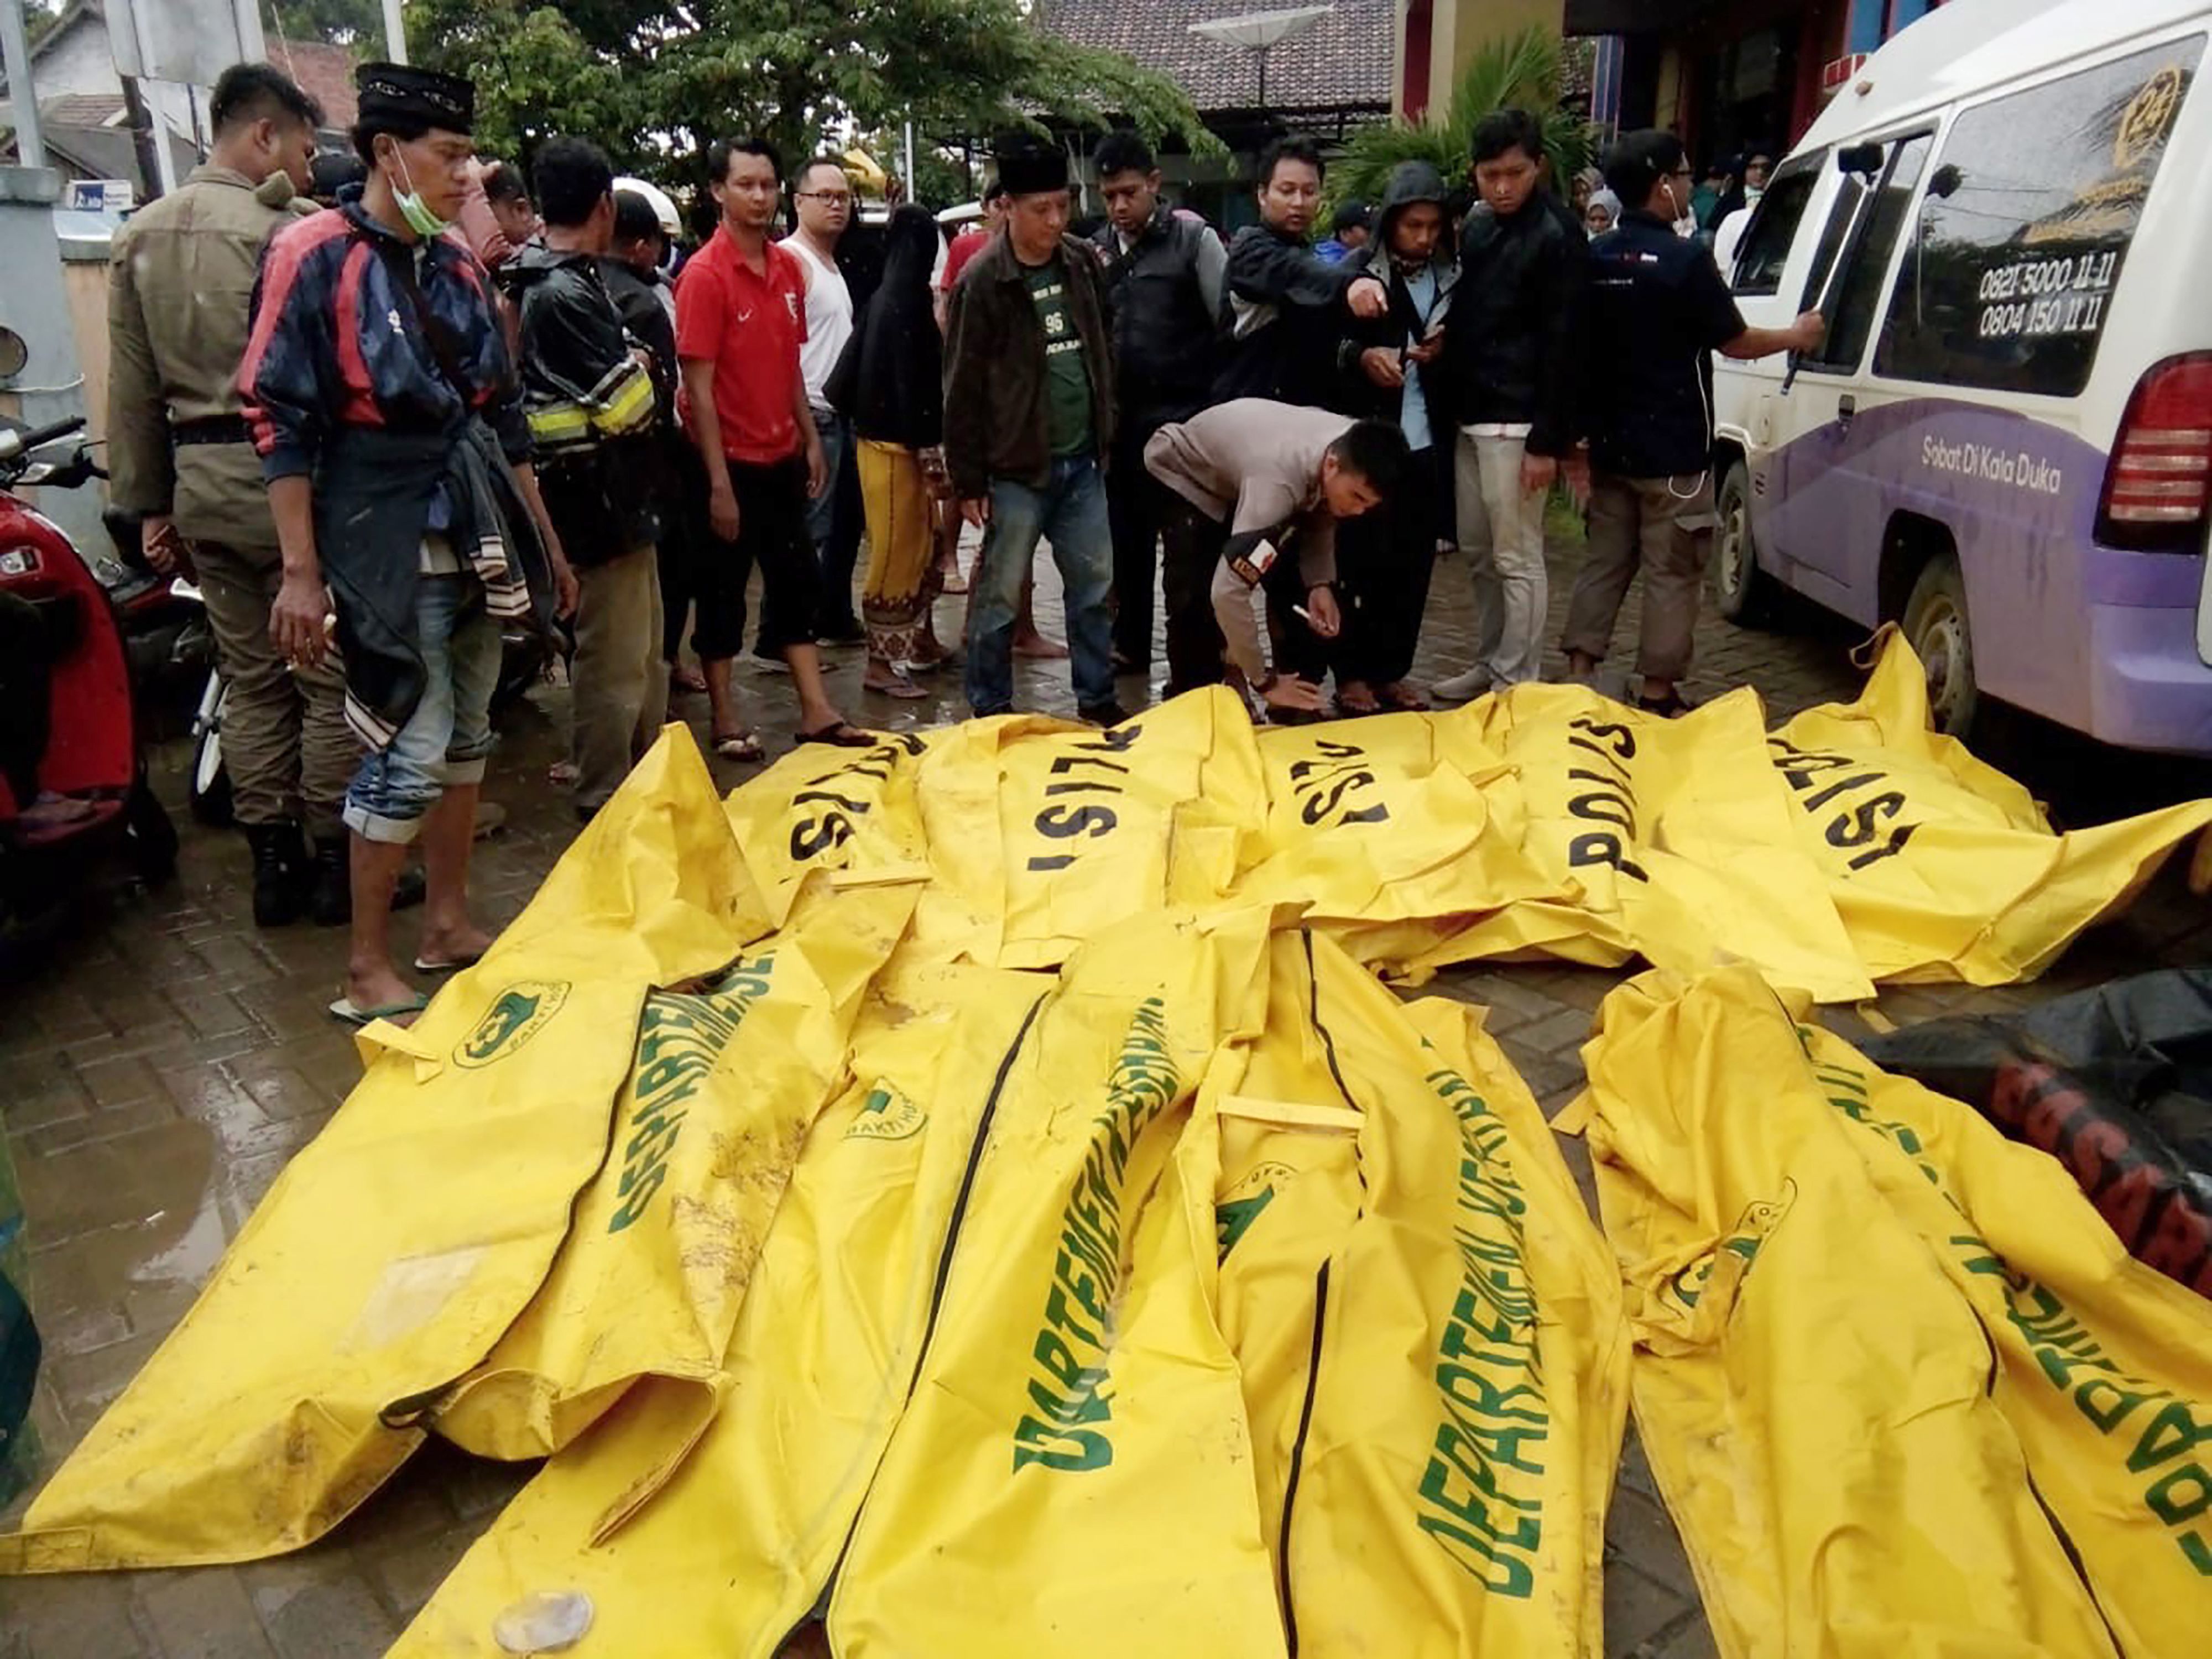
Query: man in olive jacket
point(1028, 419)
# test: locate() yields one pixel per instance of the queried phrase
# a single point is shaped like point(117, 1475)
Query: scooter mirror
point(14, 355)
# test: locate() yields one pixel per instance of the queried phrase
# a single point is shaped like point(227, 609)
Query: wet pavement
point(157, 1074)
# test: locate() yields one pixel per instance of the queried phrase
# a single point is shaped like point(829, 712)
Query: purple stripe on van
point(2018, 498)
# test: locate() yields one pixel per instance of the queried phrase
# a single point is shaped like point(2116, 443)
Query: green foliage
point(940, 182)
point(1525, 70)
point(656, 81)
point(941, 178)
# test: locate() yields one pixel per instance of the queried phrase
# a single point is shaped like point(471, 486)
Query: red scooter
point(73, 790)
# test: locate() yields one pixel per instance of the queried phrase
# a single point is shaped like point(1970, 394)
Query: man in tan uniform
point(179, 284)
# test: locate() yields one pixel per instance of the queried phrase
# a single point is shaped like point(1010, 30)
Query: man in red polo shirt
point(740, 315)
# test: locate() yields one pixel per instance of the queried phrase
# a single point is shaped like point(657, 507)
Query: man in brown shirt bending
point(1259, 488)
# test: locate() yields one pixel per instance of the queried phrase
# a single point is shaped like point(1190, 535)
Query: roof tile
point(325, 73)
point(1342, 63)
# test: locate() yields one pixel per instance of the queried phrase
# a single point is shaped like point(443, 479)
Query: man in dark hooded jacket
point(588, 389)
point(1390, 369)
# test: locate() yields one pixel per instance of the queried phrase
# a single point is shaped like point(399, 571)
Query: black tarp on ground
point(2115, 1083)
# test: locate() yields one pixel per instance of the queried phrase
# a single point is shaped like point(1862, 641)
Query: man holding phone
point(1389, 369)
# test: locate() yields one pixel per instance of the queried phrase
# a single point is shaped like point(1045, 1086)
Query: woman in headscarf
point(1602, 213)
point(1585, 185)
point(897, 395)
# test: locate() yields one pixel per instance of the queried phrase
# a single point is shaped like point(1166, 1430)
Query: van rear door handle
point(1847, 409)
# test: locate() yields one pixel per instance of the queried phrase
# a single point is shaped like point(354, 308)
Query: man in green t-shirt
point(1029, 415)
point(1066, 380)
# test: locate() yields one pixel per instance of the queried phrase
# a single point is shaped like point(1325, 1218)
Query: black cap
point(331, 172)
point(401, 92)
point(1032, 169)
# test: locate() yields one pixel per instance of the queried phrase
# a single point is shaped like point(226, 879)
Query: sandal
point(740, 746)
point(1355, 707)
point(1672, 705)
point(838, 734)
point(451, 965)
point(345, 1008)
point(898, 686)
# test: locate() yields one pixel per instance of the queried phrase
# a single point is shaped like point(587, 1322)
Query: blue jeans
point(447, 737)
point(1069, 512)
point(833, 522)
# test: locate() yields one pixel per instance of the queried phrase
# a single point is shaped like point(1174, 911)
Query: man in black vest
point(1163, 274)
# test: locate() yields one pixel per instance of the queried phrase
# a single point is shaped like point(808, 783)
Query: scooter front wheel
point(209, 794)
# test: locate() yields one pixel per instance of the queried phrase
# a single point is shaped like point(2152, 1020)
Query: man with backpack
point(588, 390)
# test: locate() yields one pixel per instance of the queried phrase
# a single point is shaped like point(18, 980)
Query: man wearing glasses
point(1658, 310)
point(824, 198)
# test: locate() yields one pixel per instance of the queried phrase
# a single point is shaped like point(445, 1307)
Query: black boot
point(281, 873)
point(332, 905)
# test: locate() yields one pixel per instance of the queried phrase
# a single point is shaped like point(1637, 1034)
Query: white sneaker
point(1464, 687)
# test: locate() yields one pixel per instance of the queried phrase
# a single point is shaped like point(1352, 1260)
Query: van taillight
point(2159, 486)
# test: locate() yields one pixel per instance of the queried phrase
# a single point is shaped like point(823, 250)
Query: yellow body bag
point(1277, 1142)
point(1073, 1474)
point(1043, 835)
point(1675, 834)
point(832, 809)
point(738, 1547)
point(1903, 1390)
point(726, 1081)
point(1464, 1396)
point(1942, 867)
point(1392, 831)
point(395, 1249)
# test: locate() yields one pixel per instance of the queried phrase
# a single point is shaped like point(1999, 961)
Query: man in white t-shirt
point(824, 198)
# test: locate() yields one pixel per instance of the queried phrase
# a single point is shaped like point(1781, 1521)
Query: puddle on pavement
point(150, 1216)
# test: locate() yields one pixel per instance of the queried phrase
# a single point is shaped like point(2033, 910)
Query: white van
point(2005, 443)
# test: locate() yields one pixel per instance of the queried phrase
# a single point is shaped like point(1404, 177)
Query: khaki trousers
point(619, 680)
point(285, 741)
point(1501, 531)
point(1643, 523)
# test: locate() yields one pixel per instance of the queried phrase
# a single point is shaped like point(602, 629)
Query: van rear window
point(2008, 277)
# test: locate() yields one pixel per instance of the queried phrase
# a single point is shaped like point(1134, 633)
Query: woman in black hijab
point(893, 390)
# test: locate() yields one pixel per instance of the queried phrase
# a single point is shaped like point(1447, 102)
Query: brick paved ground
point(157, 1077)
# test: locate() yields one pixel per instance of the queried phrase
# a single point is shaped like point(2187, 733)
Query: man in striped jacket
point(381, 400)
